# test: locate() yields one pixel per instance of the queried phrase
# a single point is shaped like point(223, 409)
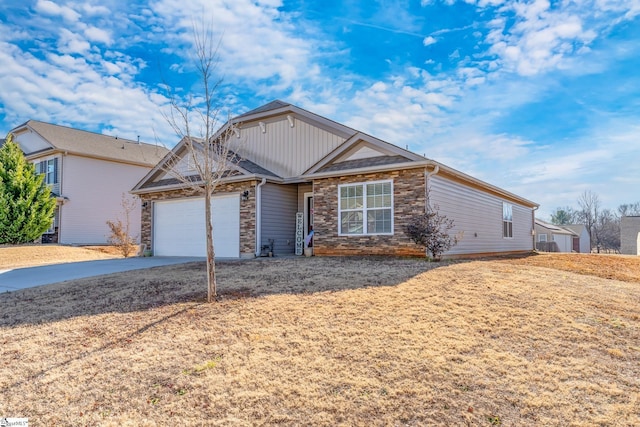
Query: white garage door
point(179, 228)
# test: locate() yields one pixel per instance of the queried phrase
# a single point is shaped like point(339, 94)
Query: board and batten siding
point(478, 216)
point(278, 217)
point(94, 191)
point(284, 150)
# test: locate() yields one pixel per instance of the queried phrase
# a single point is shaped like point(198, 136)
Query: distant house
point(88, 173)
point(301, 171)
point(581, 238)
point(553, 238)
point(630, 235)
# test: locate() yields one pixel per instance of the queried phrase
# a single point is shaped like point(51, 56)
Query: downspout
point(259, 216)
point(428, 175)
point(533, 227)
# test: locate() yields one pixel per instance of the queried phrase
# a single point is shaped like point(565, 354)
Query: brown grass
point(619, 267)
point(326, 341)
point(33, 255)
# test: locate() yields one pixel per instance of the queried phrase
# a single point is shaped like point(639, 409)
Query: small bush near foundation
point(431, 231)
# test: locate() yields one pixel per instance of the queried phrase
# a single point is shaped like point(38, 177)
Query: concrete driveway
point(21, 278)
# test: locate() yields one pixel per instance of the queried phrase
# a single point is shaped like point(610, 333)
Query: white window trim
point(365, 209)
point(540, 236)
point(506, 221)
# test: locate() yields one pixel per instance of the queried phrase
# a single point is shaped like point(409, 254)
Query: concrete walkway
point(21, 278)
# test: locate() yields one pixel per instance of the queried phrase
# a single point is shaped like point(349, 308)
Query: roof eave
point(231, 180)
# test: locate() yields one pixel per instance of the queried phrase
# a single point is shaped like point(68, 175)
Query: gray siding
point(284, 150)
point(630, 235)
point(478, 217)
point(278, 216)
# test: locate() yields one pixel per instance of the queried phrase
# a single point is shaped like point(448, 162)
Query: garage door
point(179, 228)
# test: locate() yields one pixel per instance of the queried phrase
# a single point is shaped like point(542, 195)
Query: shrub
point(431, 231)
point(120, 236)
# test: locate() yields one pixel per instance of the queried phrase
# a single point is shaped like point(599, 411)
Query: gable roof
point(555, 229)
point(578, 229)
point(241, 169)
point(90, 144)
point(352, 151)
point(273, 105)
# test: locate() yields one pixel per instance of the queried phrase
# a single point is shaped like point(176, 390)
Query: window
point(54, 223)
point(366, 208)
point(542, 237)
point(49, 168)
point(507, 220)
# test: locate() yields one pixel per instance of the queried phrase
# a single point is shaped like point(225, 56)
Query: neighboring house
point(88, 173)
point(301, 171)
point(581, 238)
point(630, 235)
point(547, 233)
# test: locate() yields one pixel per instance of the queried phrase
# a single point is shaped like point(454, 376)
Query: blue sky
point(541, 98)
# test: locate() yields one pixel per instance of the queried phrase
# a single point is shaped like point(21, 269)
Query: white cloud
point(52, 9)
point(260, 47)
point(97, 35)
point(72, 43)
point(428, 41)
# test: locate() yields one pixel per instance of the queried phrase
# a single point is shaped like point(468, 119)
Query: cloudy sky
point(539, 97)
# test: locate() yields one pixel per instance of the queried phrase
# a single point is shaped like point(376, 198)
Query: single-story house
point(581, 238)
point(88, 173)
point(630, 235)
point(547, 233)
point(301, 172)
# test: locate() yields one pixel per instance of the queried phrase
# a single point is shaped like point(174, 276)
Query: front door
point(308, 214)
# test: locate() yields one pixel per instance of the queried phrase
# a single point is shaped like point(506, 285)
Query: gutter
point(533, 227)
point(259, 216)
point(428, 175)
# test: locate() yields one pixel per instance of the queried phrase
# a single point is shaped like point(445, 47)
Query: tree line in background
point(603, 224)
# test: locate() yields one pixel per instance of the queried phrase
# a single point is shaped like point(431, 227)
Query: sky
point(541, 98)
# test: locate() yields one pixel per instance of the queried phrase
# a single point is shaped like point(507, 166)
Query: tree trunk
point(211, 263)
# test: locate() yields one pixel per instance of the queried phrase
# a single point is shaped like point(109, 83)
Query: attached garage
point(179, 229)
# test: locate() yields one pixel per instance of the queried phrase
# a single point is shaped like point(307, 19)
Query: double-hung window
point(366, 208)
point(507, 220)
point(48, 168)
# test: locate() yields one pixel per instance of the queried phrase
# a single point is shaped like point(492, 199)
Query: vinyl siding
point(565, 242)
point(94, 191)
point(284, 150)
point(278, 217)
point(478, 218)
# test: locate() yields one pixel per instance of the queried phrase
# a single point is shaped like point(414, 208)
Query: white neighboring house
point(562, 235)
point(581, 243)
point(88, 173)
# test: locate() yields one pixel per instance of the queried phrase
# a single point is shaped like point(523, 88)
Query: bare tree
point(589, 203)
point(204, 156)
point(608, 231)
point(630, 209)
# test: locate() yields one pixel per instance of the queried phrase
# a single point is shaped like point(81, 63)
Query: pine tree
point(26, 205)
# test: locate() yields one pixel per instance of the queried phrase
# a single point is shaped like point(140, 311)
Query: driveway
point(21, 278)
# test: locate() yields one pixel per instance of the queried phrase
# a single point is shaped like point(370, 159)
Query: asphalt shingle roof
point(97, 145)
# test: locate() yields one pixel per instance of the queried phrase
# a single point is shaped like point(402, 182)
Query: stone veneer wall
point(408, 199)
point(247, 212)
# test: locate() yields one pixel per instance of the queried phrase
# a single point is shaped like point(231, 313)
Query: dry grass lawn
point(33, 255)
point(329, 341)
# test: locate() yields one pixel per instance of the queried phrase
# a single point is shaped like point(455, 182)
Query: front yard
point(330, 341)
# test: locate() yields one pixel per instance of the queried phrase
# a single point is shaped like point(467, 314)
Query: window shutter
point(55, 170)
